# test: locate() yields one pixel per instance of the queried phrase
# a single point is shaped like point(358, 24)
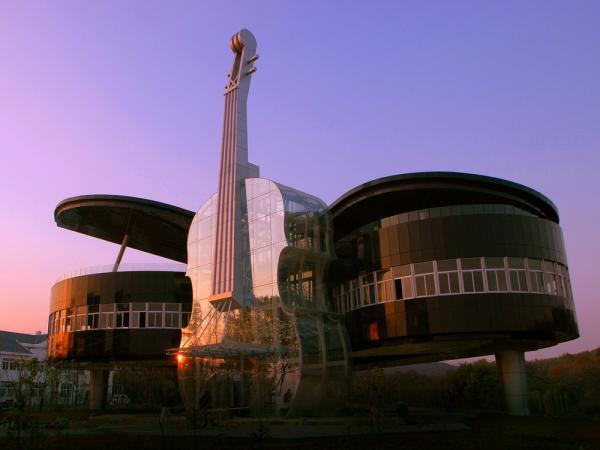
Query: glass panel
point(446, 265)
point(384, 275)
point(478, 279)
point(430, 284)
point(444, 284)
point(494, 263)
point(389, 291)
point(401, 271)
point(261, 206)
point(536, 281)
point(420, 284)
point(516, 263)
point(548, 266)
point(534, 263)
point(371, 292)
point(276, 201)
point(262, 271)
point(260, 232)
point(424, 267)
point(502, 285)
point(523, 280)
point(204, 228)
point(407, 288)
point(468, 281)
point(454, 286)
point(470, 263)
point(204, 251)
point(398, 287)
point(277, 227)
point(491, 280)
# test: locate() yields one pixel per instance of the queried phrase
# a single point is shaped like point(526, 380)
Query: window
point(10, 364)
point(472, 275)
point(66, 391)
point(81, 318)
point(424, 279)
point(93, 317)
point(107, 315)
point(495, 274)
point(70, 320)
point(171, 315)
point(122, 315)
point(385, 290)
point(368, 289)
point(517, 274)
point(448, 277)
point(567, 282)
point(483, 274)
point(550, 278)
point(154, 316)
point(536, 279)
point(403, 282)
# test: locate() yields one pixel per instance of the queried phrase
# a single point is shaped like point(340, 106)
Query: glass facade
point(449, 281)
point(303, 345)
point(383, 243)
point(453, 277)
point(118, 315)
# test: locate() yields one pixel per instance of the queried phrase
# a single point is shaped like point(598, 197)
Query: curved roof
point(408, 192)
point(154, 227)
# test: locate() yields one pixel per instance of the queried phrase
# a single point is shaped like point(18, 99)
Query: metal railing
point(129, 267)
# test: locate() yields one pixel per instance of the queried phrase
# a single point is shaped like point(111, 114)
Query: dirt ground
point(130, 432)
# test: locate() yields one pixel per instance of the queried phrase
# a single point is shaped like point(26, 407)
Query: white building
point(23, 369)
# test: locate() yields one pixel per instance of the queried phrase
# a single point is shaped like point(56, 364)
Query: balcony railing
point(128, 267)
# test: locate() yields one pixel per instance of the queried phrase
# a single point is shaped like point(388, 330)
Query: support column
point(121, 251)
point(98, 388)
point(511, 368)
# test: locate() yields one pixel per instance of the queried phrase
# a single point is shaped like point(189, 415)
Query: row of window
point(119, 315)
point(456, 210)
point(10, 364)
point(451, 277)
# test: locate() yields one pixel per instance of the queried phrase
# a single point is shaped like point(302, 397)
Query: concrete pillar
point(511, 368)
point(98, 388)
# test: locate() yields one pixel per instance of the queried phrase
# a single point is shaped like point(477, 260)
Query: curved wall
point(459, 275)
point(118, 315)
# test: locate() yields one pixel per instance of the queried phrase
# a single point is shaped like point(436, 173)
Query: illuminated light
point(180, 358)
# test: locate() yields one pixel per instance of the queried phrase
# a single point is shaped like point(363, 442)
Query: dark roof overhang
point(409, 192)
point(153, 227)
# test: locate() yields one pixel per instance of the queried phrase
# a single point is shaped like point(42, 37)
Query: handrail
point(129, 267)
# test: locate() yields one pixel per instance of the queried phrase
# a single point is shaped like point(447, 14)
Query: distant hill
point(435, 369)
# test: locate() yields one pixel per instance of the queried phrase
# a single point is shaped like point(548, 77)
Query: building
point(108, 316)
point(283, 296)
point(26, 379)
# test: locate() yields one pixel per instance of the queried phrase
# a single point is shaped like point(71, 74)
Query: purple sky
point(126, 98)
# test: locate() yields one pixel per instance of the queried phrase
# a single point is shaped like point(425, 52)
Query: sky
point(126, 97)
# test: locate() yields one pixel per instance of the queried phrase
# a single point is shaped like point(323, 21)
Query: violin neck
point(227, 278)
